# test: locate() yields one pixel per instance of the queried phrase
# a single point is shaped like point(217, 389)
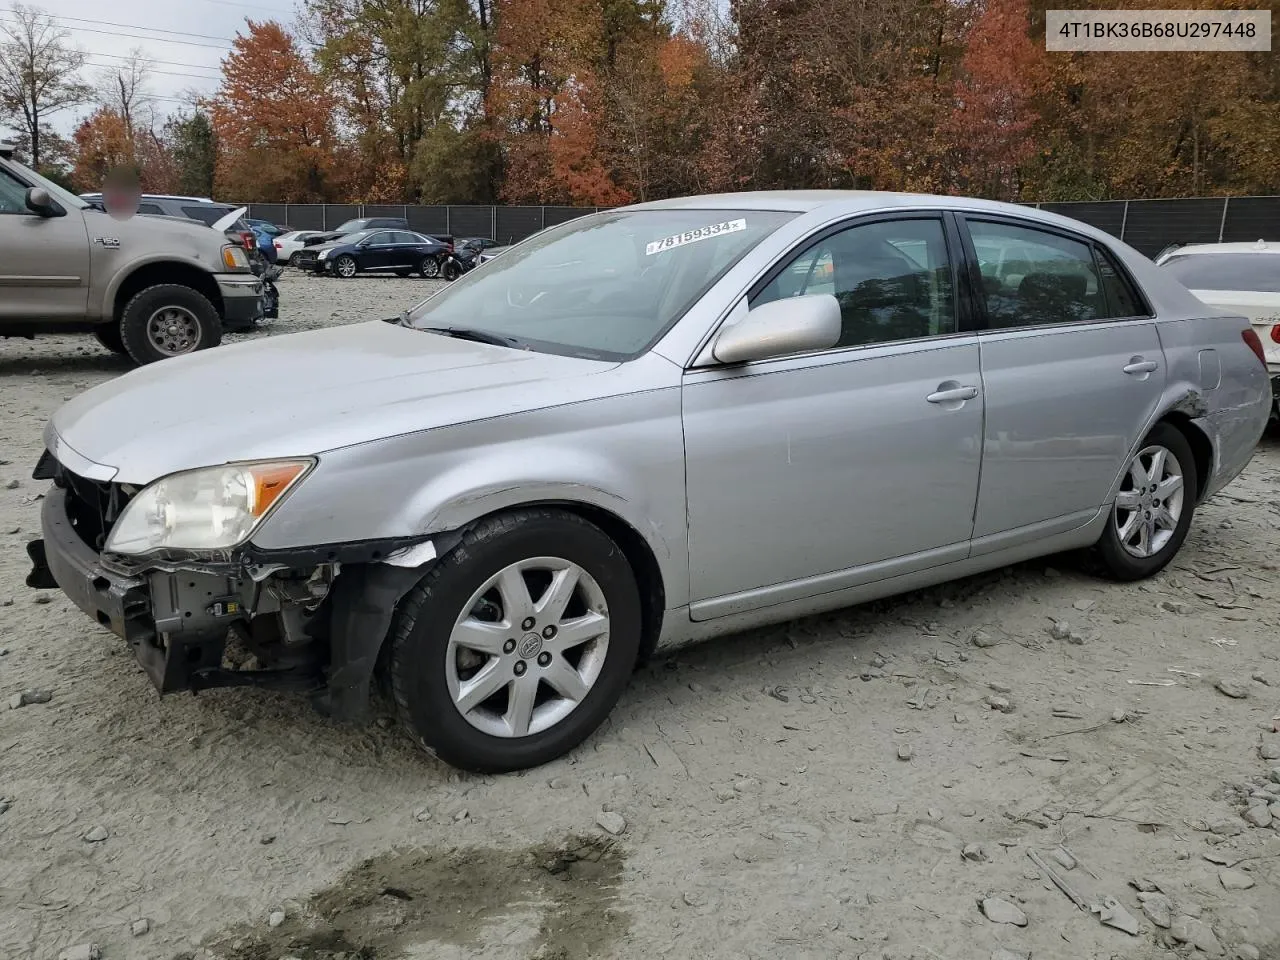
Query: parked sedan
point(288, 244)
point(375, 251)
point(1240, 278)
point(645, 426)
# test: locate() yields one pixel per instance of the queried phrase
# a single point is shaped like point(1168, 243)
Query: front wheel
point(345, 266)
point(429, 268)
point(451, 270)
point(1152, 512)
point(518, 643)
point(168, 320)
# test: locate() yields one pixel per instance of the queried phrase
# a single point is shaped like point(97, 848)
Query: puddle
point(552, 902)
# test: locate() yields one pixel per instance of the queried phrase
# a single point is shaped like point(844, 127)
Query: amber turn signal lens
point(270, 480)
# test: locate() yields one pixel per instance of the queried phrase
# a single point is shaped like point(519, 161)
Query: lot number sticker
point(693, 236)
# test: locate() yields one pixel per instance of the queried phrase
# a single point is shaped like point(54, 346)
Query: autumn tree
point(38, 73)
point(991, 126)
point(273, 120)
point(102, 143)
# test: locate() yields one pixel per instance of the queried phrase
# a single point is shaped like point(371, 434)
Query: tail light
point(249, 241)
point(1275, 333)
point(277, 244)
point(1255, 344)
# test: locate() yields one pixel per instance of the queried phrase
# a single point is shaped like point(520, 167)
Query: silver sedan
point(643, 427)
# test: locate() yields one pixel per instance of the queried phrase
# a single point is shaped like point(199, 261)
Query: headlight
point(322, 254)
point(234, 258)
point(213, 508)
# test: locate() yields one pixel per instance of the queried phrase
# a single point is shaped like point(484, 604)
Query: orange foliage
point(273, 120)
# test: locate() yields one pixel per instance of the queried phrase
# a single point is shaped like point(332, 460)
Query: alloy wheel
point(528, 647)
point(1149, 504)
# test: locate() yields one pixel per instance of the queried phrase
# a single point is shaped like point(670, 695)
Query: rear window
point(206, 214)
point(1259, 272)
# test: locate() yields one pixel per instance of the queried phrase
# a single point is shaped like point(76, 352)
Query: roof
point(1257, 246)
point(163, 196)
point(803, 201)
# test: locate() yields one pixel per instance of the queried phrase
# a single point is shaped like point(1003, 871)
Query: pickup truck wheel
point(108, 334)
point(516, 645)
point(1152, 512)
point(168, 320)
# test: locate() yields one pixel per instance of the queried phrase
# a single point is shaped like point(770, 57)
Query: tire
point(345, 266)
point(197, 322)
point(293, 260)
point(425, 663)
point(451, 270)
point(108, 334)
point(429, 269)
point(1111, 557)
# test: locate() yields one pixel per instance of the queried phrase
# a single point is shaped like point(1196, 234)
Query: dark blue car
point(375, 251)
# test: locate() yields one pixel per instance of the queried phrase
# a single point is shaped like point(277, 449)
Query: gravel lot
point(867, 784)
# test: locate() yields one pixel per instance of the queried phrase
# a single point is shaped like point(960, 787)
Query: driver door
point(816, 472)
point(44, 261)
point(378, 252)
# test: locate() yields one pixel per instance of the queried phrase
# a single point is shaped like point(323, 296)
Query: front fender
point(623, 455)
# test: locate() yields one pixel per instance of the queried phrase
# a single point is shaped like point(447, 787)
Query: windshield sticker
point(693, 236)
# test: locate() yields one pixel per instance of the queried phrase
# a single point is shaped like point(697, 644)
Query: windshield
point(1227, 271)
point(605, 286)
point(350, 225)
point(64, 197)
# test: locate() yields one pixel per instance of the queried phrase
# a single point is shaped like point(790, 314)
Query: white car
point(1241, 278)
point(288, 244)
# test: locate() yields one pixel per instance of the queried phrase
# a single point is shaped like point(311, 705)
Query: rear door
point(44, 261)
point(1072, 372)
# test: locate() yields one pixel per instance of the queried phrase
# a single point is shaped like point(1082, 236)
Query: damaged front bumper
point(312, 620)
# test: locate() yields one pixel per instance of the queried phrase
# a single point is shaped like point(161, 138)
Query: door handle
point(1138, 365)
point(953, 395)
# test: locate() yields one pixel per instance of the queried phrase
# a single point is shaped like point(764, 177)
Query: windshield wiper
point(470, 333)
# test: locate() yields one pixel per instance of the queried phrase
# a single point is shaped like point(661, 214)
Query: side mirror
point(780, 328)
point(39, 201)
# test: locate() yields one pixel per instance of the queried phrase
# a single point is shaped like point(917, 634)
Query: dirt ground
point(869, 784)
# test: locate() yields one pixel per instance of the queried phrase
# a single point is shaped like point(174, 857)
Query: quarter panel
point(1233, 415)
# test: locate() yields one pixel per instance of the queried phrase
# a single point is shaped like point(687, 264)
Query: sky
point(108, 32)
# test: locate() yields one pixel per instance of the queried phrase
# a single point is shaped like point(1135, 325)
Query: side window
point(13, 194)
point(379, 239)
point(401, 237)
point(1121, 299)
point(206, 214)
point(149, 208)
point(892, 280)
point(1035, 278)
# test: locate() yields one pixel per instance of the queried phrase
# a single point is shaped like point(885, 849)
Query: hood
point(303, 394)
point(225, 222)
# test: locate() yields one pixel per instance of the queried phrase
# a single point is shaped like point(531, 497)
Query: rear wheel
point(168, 320)
point(517, 644)
point(429, 268)
point(451, 270)
point(108, 334)
point(1152, 512)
